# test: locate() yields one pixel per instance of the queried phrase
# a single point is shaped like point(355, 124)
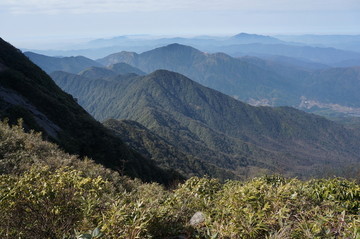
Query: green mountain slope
point(153, 146)
point(219, 129)
point(28, 92)
point(69, 64)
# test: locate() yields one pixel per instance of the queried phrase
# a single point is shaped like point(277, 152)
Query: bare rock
point(197, 218)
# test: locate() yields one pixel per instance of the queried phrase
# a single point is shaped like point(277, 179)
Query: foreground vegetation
point(46, 193)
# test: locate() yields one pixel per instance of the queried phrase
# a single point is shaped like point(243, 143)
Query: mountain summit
point(245, 38)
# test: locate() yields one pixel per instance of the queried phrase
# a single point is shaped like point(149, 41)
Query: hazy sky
point(28, 23)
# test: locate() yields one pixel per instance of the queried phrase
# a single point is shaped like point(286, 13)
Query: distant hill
point(349, 63)
point(290, 62)
point(345, 42)
point(110, 72)
point(69, 64)
point(220, 130)
point(27, 92)
point(328, 56)
point(245, 38)
point(336, 85)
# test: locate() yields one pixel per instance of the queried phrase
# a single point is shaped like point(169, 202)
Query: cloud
point(118, 6)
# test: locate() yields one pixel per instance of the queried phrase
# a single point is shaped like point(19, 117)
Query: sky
point(43, 23)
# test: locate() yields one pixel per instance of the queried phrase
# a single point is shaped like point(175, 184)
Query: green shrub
point(46, 193)
point(45, 204)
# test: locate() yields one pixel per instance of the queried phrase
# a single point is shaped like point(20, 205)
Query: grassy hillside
point(46, 193)
point(221, 130)
point(28, 92)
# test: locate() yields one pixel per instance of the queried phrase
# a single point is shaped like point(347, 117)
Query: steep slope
point(69, 64)
point(219, 129)
point(153, 146)
point(29, 93)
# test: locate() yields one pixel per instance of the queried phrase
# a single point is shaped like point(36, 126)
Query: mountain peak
point(177, 47)
point(165, 76)
point(243, 34)
point(162, 74)
point(254, 38)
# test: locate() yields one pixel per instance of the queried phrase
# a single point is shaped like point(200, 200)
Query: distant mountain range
point(245, 38)
point(269, 82)
point(27, 92)
point(180, 127)
point(82, 65)
point(329, 56)
point(345, 42)
point(222, 131)
point(313, 48)
point(235, 77)
point(273, 80)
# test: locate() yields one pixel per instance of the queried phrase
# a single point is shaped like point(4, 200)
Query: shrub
point(45, 204)
point(46, 193)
